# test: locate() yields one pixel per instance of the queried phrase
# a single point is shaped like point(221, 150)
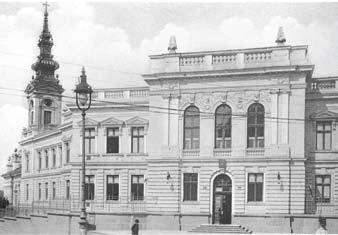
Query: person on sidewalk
point(135, 228)
point(322, 226)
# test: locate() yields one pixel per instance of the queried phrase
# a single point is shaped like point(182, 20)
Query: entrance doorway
point(222, 199)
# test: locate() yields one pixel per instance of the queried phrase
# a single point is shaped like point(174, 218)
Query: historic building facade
point(221, 137)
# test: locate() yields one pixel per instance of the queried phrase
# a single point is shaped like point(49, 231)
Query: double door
point(222, 208)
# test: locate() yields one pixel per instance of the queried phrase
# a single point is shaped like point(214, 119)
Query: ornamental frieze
point(238, 101)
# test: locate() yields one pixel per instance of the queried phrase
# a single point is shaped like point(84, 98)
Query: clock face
point(47, 102)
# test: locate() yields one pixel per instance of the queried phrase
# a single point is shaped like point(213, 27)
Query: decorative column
point(274, 117)
point(206, 134)
point(283, 114)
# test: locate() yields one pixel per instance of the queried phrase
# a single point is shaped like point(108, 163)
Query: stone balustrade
point(324, 83)
point(191, 153)
point(222, 153)
point(229, 59)
point(120, 94)
point(255, 152)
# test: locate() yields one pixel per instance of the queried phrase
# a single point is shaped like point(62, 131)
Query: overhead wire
point(175, 111)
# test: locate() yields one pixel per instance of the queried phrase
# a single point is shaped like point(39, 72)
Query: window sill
point(253, 203)
point(110, 201)
point(136, 154)
point(190, 202)
point(112, 155)
point(325, 151)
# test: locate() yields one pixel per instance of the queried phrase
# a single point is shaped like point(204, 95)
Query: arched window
point(223, 127)
point(191, 128)
point(256, 126)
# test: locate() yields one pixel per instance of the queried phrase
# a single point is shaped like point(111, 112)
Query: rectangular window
point(27, 163)
point(27, 192)
point(46, 159)
point(112, 187)
point(137, 139)
point(60, 154)
point(54, 157)
point(46, 191)
point(90, 140)
point(323, 188)
point(67, 189)
point(190, 186)
point(67, 152)
point(32, 117)
point(89, 187)
point(54, 190)
point(39, 191)
point(324, 135)
point(255, 187)
point(40, 160)
point(113, 140)
point(137, 187)
point(47, 119)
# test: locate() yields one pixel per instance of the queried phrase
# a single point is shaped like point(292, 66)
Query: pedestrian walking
point(135, 228)
point(322, 226)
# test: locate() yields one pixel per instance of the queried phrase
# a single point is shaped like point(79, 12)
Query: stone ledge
point(287, 216)
point(23, 217)
point(40, 216)
point(63, 214)
point(10, 218)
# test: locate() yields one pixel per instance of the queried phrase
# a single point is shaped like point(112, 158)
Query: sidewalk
point(146, 232)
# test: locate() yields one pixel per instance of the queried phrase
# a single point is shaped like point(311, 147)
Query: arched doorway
point(222, 199)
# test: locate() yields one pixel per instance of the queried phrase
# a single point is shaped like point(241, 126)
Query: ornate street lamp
point(83, 101)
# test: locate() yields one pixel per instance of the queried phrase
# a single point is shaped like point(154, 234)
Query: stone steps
point(221, 228)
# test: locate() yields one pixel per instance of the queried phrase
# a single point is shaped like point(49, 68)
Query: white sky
point(111, 38)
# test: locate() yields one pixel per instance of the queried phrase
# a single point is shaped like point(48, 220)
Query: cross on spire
point(46, 5)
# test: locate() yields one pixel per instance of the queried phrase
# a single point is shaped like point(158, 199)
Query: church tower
point(44, 93)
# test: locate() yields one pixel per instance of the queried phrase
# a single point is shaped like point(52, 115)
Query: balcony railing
point(222, 152)
point(255, 152)
point(190, 153)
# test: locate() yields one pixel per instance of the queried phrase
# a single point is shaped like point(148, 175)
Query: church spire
point(45, 65)
point(45, 22)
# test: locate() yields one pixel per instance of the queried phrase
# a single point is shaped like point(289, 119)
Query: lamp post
point(83, 101)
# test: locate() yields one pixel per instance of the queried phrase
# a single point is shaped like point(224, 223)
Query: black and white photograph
point(168, 117)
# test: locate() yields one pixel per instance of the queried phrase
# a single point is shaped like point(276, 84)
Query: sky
point(113, 40)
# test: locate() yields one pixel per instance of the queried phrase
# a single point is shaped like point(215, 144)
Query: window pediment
point(137, 121)
point(89, 122)
point(324, 115)
point(111, 122)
